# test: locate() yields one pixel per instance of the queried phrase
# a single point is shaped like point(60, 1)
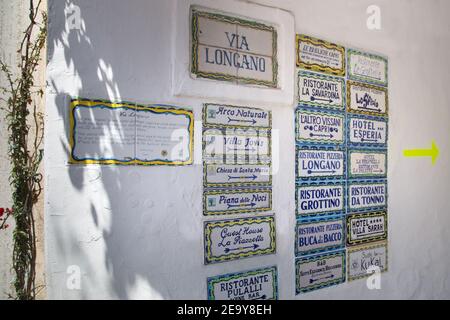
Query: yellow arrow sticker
point(433, 152)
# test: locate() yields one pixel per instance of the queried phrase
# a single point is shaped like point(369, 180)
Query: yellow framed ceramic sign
point(123, 133)
point(319, 55)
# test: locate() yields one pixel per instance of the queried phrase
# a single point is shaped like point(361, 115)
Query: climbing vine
point(25, 138)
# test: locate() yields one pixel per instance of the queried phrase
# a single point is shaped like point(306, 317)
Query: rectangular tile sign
point(260, 284)
point(313, 199)
point(365, 131)
point(367, 67)
point(319, 271)
point(233, 49)
point(366, 227)
point(362, 260)
point(320, 90)
point(103, 132)
point(366, 195)
point(364, 163)
point(240, 238)
point(320, 127)
point(320, 234)
point(236, 175)
point(318, 163)
point(233, 116)
point(236, 201)
point(367, 99)
point(229, 143)
point(319, 55)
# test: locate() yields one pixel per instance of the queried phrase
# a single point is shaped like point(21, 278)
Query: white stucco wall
point(136, 232)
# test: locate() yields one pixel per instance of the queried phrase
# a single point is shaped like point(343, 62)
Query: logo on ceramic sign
point(366, 227)
point(318, 235)
point(320, 163)
point(366, 195)
point(233, 49)
point(361, 259)
point(320, 127)
point(367, 163)
point(367, 67)
point(320, 90)
point(235, 175)
point(319, 55)
point(258, 284)
point(319, 271)
point(366, 99)
point(237, 201)
point(317, 199)
point(367, 131)
point(240, 238)
point(224, 115)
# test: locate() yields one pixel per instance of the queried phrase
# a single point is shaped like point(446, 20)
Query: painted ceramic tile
point(320, 163)
point(367, 99)
point(319, 271)
point(219, 115)
point(236, 175)
point(236, 201)
point(319, 127)
point(366, 131)
point(259, 284)
point(320, 198)
point(367, 163)
point(218, 144)
point(315, 89)
point(367, 67)
point(366, 227)
point(240, 238)
point(361, 260)
point(319, 55)
point(367, 195)
point(104, 132)
point(233, 49)
point(319, 234)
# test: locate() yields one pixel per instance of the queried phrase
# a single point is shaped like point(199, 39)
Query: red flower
point(2, 211)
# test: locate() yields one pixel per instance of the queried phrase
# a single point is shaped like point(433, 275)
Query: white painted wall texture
point(136, 232)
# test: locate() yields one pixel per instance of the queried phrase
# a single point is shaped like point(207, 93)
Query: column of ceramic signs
point(320, 165)
point(367, 127)
point(237, 193)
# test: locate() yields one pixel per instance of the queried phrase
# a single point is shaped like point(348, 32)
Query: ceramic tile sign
point(367, 163)
point(319, 90)
point(366, 131)
point(367, 99)
point(219, 115)
point(228, 143)
point(236, 175)
point(240, 238)
point(319, 271)
point(104, 132)
point(259, 284)
point(366, 227)
point(236, 201)
point(233, 49)
point(319, 55)
point(319, 234)
point(320, 198)
point(363, 259)
point(321, 163)
point(367, 195)
point(367, 67)
point(320, 127)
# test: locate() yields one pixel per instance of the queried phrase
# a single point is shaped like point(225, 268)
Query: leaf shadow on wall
point(126, 235)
